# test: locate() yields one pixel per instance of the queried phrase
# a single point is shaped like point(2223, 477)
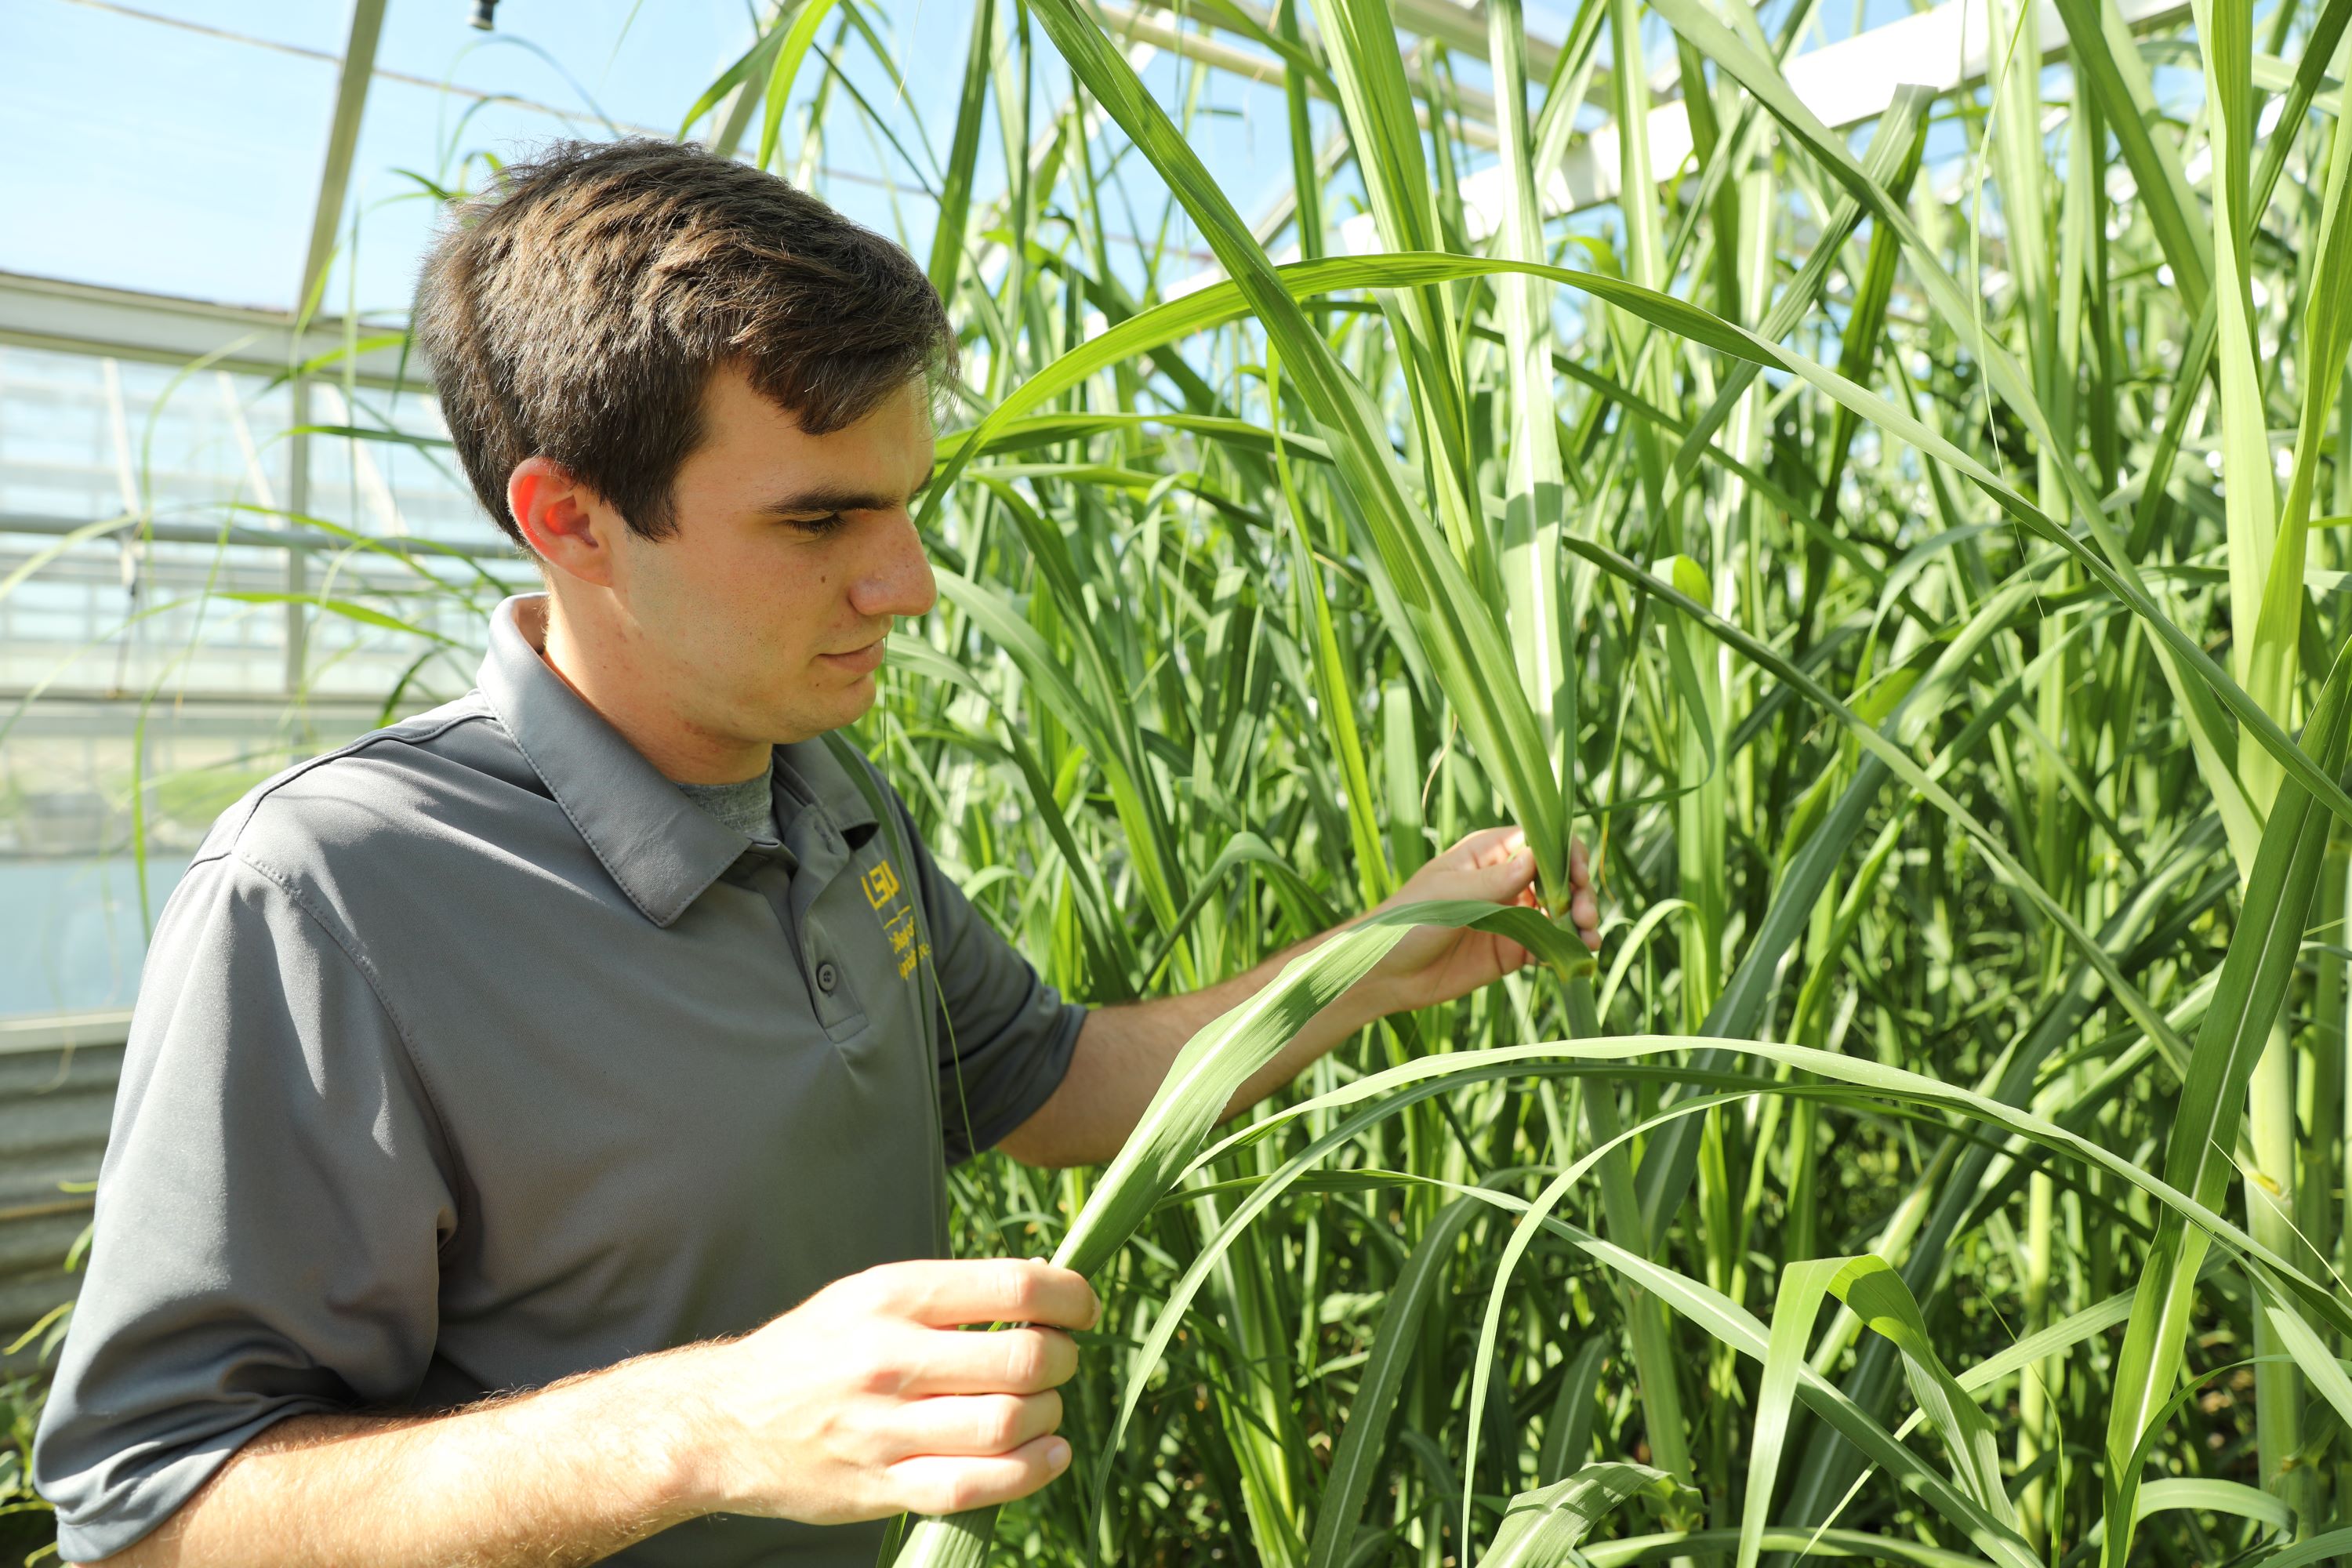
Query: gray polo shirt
point(474, 1054)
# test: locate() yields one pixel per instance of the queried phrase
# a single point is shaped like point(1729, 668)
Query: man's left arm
point(1123, 1052)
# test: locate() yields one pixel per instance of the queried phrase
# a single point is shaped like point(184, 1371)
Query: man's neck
point(623, 695)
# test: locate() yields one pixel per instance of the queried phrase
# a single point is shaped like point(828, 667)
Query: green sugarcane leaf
point(1356, 1458)
point(750, 67)
point(1830, 1543)
point(1695, 687)
point(1053, 429)
point(1569, 1431)
point(2266, 640)
point(1876, 1294)
point(1214, 1066)
point(2315, 1360)
point(784, 68)
point(1542, 1529)
point(1244, 848)
point(2327, 340)
point(1801, 1289)
point(1719, 1317)
point(964, 159)
point(347, 609)
point(1534, 490)
point(2255, 976)
point(2328, 27)
point(2204, 1494)
point(2328, 1546)
point(81, 534)
point(1899, 761)
point(1104, 735)
point(2179, 657)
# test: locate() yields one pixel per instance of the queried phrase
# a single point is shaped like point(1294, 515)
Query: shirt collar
point(661, 848)
point(820, 775)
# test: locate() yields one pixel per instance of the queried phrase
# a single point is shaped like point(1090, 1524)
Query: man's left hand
point(1433, 965)
point(1123, 1052)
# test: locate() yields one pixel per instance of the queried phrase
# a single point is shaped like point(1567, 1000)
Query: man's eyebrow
point(826, 498)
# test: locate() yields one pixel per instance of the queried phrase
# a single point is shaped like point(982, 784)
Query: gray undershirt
point(745, 806)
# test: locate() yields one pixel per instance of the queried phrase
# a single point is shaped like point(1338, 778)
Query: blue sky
point(162, 159)
point(155, 157)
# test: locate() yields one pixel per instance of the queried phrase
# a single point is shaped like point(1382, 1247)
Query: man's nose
point(898, 580)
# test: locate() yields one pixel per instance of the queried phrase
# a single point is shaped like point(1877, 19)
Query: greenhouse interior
point(1536, 732)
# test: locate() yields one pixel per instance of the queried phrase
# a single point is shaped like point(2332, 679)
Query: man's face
point(765, 611)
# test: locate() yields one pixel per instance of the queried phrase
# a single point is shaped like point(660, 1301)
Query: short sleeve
point(1006, 1036)
point(269, 1214)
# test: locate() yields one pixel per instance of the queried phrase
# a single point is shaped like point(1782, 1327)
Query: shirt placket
point(792, 877)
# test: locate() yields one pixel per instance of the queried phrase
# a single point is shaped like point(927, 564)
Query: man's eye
point(824, 524)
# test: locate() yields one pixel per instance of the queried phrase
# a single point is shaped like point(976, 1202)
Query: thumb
point(1505, 880)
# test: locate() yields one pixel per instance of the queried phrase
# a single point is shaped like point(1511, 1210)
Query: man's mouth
point(859, 660)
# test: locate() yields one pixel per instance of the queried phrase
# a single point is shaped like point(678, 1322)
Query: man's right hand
point(866, 1400)
point(872, 1398)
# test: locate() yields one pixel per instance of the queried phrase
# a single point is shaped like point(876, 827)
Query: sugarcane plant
point(1910, 554)
point(1891, 556)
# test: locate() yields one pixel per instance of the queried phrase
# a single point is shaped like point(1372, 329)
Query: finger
point(937, 1484)
point(1487, 846)
point(994, 1290)
point(1585, 911)
point(977, 1425)
point(1511, 844)
point(1504, 880)
point(1580, 863)
point(1010, 1360)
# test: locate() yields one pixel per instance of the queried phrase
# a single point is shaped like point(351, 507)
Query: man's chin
point(842, 707)
point(859, 701)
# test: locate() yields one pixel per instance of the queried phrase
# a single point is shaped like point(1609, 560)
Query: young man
point(562, 1038)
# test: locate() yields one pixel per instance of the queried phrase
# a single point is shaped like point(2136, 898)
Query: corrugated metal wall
point(57, 1093)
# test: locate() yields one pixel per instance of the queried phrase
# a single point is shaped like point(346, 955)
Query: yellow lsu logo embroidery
point(881, 886)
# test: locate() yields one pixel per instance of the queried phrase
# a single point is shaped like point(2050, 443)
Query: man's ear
point(570, 526)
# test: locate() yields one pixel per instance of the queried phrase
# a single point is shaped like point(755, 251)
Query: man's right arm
point(866, 1401)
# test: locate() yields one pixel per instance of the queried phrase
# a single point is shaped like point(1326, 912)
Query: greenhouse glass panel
point(195, 166)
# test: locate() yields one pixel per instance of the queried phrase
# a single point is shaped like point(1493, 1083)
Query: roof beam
point(40, 525)
point(156, 329)
point(1464, 27)
point(342, 137)
point(1844, 84)
point(1474, 110)
point(1455, 23)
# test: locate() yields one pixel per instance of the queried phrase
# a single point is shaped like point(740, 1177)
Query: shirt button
point(828, 976)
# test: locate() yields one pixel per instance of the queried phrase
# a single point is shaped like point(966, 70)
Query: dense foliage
point(1909, 576)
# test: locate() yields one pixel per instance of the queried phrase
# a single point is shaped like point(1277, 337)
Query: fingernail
point(1057, 1453)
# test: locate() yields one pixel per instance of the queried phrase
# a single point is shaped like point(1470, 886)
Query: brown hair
point(577, 310)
